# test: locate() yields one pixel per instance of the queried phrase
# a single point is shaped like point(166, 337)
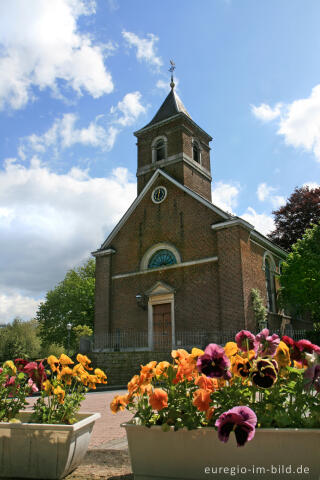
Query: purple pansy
point(240, 419)
point(214, 362)
point(266, 344)
point(245, 340)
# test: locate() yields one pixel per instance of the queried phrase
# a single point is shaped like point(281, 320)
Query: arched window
point(160, 150)
point(270, 284)
point(161, 258)
point(196, 152)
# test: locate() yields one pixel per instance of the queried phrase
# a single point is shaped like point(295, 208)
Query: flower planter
point(31, 450)
point(199, 454)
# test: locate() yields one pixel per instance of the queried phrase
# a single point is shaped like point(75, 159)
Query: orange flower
point(209, 413)
point(148, 371)
point(65, 375)
point(161, 368)
point(84, 360)
point(119, 403)
point(158, 399)
point(65, 360)
point(179, 355)
point(60, 394)
point(230, 348)
point(53, 363)
point(206, 383)
point(282, 355)
point(92, 380)
point(101, 376)
point(201, 399)
point(78, 370)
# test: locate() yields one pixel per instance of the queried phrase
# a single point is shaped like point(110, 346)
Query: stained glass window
point(161, 258)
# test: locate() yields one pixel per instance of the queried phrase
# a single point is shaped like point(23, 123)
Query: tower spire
point(172, 69)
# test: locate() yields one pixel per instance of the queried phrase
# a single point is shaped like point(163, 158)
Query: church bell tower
point(174, 143)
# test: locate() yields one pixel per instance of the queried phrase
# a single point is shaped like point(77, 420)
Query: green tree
point(20, 339)
point(71, 301)
point(300, 277)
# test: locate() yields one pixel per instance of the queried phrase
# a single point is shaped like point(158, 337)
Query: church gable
point(181, 221)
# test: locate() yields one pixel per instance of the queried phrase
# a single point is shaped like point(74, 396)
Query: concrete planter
point(199, 454)
point(32, 450)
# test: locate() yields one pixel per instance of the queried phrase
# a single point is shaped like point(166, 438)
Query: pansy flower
point(158, 399)
point(201, 399)
point(245, 340)
point(119, 403)
point(241, 420)
point(282, 355)
point(266, 344)
point(264, 372)
point(214, 362)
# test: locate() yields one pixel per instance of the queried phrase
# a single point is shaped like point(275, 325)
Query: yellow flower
point(65, 375)
point(92, 380)
point(11, 365)
point(196, 352)
point(101, 376)
point(47, 387)
point(65, 360)
point(53, 363)
point(60, 394)
point(230, 348)
point(283, 355)
point(84, 360)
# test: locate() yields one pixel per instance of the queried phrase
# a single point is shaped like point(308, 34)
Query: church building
point(175, 262)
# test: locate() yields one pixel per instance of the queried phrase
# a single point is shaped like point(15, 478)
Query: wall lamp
point(141, 301)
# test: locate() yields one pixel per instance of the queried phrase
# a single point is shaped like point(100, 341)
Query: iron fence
point(133, 340)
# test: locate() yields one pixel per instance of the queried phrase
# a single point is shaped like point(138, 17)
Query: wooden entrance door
point(162, 329)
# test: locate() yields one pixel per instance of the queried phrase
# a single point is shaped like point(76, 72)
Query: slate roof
point(171, 106)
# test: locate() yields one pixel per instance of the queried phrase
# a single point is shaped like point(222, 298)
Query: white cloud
point(146, 50)
point(64, 134)
point(298, 122)
point(42, 46)
point(128, 109)
point(225, 195)
point(300, 126)
point(265, 192)
point(14, 304)
point(50, 222)
point(265, 113)
point(262, 222)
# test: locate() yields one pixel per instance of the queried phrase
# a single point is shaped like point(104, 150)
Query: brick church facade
point(175, 262)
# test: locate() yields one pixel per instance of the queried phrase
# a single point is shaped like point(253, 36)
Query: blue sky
point(78, 77)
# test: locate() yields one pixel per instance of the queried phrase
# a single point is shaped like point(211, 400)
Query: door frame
point(158, 299)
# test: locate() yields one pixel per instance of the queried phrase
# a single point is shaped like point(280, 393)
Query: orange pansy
point(201, 399)
point(158, 399)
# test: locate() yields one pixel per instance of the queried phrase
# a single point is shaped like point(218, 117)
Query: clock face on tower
point(159, 194)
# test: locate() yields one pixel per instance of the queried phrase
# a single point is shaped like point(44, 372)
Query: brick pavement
point(107, 432)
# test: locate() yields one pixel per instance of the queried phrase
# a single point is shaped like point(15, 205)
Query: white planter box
point(32, 450)
point(199, 454)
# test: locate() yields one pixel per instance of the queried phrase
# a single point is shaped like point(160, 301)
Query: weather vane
point(172, 69)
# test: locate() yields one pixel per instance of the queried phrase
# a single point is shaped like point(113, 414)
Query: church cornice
point(174, 159)
point(169, 120)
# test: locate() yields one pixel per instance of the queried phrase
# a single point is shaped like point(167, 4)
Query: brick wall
point(121, 366)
